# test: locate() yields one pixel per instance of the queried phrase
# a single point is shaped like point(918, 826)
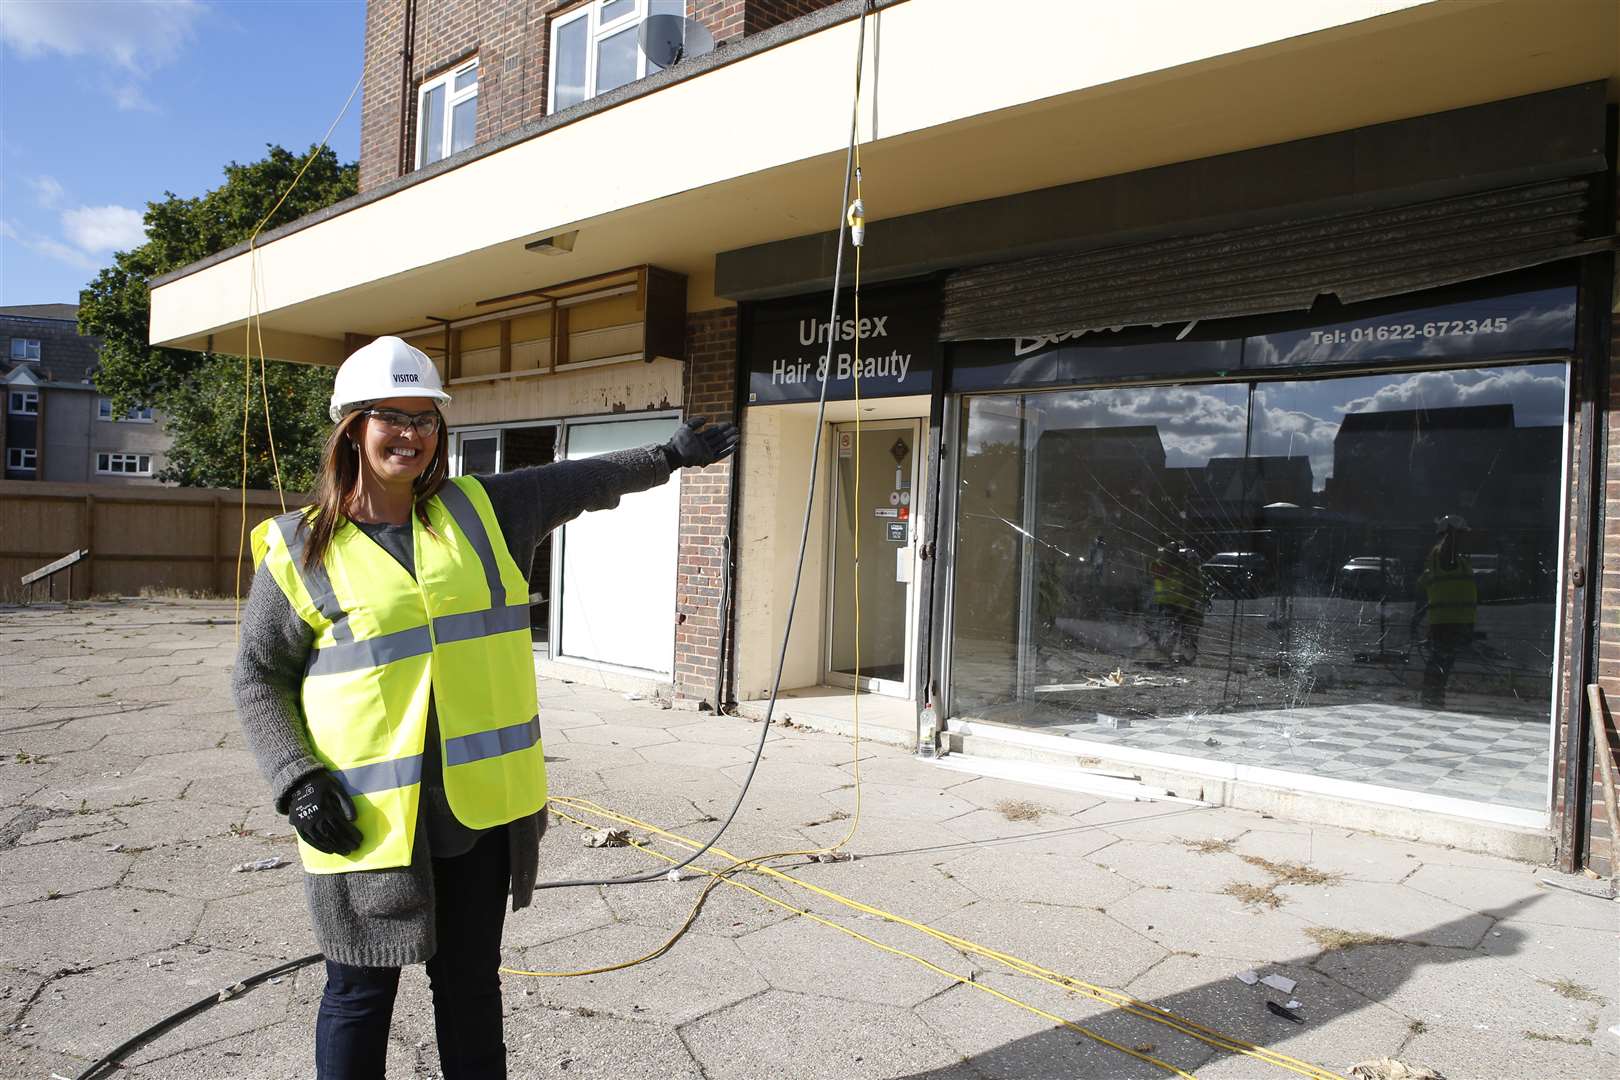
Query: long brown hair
point(340, 474)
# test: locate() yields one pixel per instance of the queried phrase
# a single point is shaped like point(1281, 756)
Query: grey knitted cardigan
point(384, 918)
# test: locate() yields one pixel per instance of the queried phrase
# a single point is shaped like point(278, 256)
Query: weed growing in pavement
point(1288, 873)
point(1574, 991)
point(1331, 939)
point(1255, 895)
point(1542, 1036)
point(1019, 810)
point(1416, 1027)
point(1209, 846)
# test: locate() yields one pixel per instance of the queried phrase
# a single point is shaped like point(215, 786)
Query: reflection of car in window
point(1373, 577)
point(1236, 573)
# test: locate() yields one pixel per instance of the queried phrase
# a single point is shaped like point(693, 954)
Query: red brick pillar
point(711, 390)
point(1600, 846)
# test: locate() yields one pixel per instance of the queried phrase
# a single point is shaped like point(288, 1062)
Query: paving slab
point(86, 1013)
point(47, 871)
point(1475, 1052)
point(1164, 865)
point(1391, 910)
point(811, 1037)
point(1044, 876)
point(1004, 1041)
point(1214, 926)
point(810, 957)
point(584, 1045)
point(93, 928)
point(1076, 942)
point(1450, 986)
point(1340, 1024)
point(706, 974)
point(271, 922)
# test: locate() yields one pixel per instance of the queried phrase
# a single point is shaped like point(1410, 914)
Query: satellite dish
point(669, 39)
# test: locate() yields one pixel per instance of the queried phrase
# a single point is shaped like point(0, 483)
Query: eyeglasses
point(425, 423)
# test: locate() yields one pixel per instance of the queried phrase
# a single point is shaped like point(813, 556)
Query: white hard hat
point(386, 368)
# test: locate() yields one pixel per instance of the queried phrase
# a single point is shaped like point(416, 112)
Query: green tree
point(200, 394)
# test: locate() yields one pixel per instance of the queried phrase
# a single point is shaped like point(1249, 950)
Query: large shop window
point(618, 566)
point(1351, 577)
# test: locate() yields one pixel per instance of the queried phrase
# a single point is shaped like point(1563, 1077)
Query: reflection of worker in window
point(1450, 598)
point(1179, 597)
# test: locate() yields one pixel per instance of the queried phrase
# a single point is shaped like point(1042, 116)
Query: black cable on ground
point(113, 1058)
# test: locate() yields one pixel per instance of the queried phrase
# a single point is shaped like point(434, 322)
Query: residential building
point(1127, 284)
point(57, 426)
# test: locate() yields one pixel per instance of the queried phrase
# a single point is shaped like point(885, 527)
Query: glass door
point(874, 481)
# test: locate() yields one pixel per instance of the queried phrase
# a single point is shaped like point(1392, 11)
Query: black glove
point(695, 445)
point(323, 814)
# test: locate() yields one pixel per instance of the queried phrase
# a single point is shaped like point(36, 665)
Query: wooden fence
point(139, 538)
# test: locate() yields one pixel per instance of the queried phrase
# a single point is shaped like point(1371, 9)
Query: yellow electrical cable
point(722, 876)
point(1124, 1002)
point(254, 327)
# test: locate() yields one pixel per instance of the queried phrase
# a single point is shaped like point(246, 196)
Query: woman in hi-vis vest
point(386, 684)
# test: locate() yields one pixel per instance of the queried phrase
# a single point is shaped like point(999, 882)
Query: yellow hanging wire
point(255, 328)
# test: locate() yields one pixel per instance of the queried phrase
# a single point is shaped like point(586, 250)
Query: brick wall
point(1600, 845)
point(511, 39)
point(711, 383)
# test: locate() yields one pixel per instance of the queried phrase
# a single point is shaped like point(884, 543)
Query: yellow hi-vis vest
point(385, 645)
point(1453, 595)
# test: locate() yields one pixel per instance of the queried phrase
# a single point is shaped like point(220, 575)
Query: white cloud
point(47, 192)
point(137, 35)
point(47, 246)
point(129, 39)
point(131, 98)
point(1536, 393)
point(104, 228)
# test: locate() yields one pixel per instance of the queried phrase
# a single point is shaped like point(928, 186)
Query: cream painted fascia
point(613, 388)
point(930, 63)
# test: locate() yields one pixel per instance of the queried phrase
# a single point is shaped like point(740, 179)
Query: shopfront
point(1324, 547)
point(871, 468)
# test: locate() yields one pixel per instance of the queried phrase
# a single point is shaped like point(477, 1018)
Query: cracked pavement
point(126, 800)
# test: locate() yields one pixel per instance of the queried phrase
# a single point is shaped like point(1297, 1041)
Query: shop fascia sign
point(793, 347)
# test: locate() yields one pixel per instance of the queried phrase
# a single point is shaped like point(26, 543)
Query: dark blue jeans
point(351, 1029)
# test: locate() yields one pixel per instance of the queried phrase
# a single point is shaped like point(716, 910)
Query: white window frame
point(29, 350)
point(141, 415)
point(18, 404)
point(596, 31)
point(117, 462)
point(452, 98)
point(22, 458)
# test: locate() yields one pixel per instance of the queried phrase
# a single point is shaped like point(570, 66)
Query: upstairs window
point(25, 402)
point(104, 411)
point(447, 113)
point(22, 457)
point(124, 464)
point(24, 348)
point(594, 48)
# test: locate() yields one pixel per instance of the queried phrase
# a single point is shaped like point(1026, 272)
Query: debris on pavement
point(232, 990)
point(1247, 978)
point(259, 864)
point(630, 695)
point(1390, 1069)
point(607, 838)
point(1280, 982)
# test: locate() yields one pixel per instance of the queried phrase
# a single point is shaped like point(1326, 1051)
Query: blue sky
point(107, 104)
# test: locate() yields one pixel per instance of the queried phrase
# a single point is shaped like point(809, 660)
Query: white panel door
point(618, 566)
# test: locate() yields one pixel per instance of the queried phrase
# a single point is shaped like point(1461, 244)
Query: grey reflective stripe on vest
point(487, 744)
point(477, 624)
point(370, 652)
point(315, 579)
point(381, 775)
point(466, 518)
